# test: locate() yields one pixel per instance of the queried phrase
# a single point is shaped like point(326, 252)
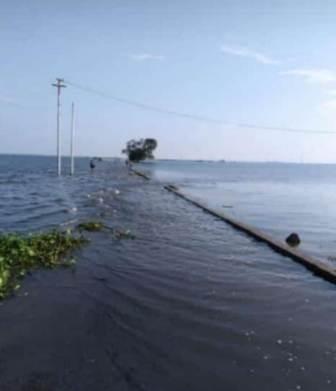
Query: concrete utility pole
point(72, 163)
point(59, 85)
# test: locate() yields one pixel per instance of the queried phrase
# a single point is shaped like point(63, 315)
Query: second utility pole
point(72, 163)
point(59, 85)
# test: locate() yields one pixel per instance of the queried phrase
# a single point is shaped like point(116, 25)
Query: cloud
point(241, 51)
point(327, 109)
point(145, 57)
point(318, 76)
point(9, 101)
point(329, 105)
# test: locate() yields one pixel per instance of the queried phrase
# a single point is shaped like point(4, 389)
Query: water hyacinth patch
point(91, 226)
point(94, 226)
point(20, 254)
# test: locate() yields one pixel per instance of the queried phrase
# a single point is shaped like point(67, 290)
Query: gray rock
point(293, 239)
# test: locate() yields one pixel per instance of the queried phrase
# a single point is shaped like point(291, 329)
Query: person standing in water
point(92, 164)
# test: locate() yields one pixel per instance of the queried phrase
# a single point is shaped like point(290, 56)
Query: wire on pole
point(195, 117)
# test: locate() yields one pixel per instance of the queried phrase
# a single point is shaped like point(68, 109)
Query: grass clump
point(20, 254)
point(91, 226)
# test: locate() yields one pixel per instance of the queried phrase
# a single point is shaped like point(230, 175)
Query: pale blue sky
point(260, 62)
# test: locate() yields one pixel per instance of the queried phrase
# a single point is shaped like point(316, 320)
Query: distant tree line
point(138, 150)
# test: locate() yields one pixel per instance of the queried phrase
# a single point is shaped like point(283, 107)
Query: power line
point(190, 116)
point(283, 129)
point(145, 106)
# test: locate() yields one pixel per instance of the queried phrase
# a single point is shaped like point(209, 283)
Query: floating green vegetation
point(91, 226)
point(94, 226)
point(20, 254)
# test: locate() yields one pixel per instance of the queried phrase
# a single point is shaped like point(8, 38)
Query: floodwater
point(279, 198)
point(189, 304)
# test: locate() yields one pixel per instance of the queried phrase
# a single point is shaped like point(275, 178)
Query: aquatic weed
point(91, 226)
point(95, 225)
point(19, 254)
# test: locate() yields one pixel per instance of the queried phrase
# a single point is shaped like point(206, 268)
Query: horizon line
point(170, 159)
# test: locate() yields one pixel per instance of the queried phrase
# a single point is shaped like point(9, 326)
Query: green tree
point(138, 150)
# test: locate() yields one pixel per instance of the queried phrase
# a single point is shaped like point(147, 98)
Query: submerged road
point(190, 303)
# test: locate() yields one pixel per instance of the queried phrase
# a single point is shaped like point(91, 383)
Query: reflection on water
point(188, 304)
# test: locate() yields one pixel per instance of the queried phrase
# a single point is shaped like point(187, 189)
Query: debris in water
point(72, 210)
point(119, 234)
